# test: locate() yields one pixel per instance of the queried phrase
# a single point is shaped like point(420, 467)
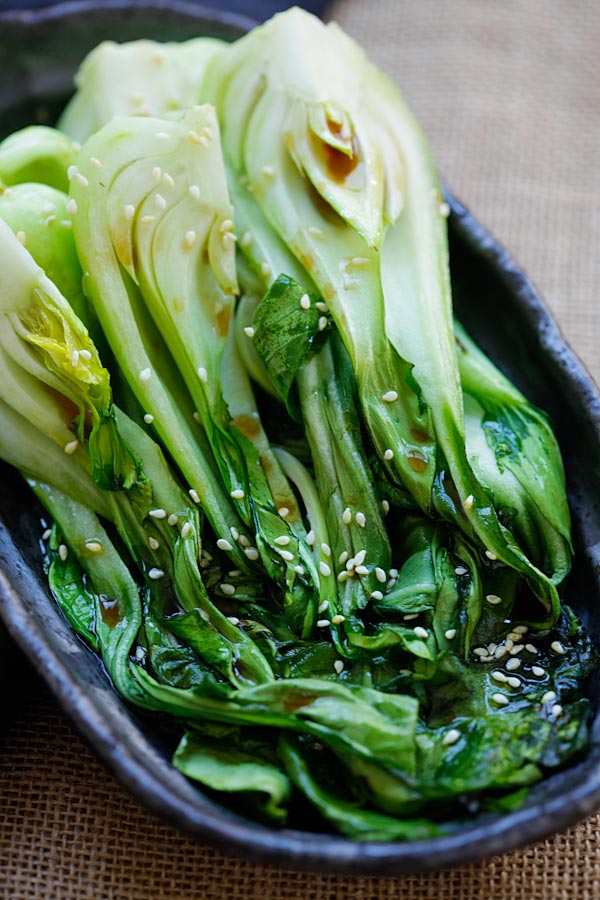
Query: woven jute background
point(509, 94)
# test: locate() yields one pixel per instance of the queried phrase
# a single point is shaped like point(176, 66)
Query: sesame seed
point(194, 191)
point(343, 576)
point(389, 454)
point(283, 512)
point(249, 331)
point(531, 649)
point(233, 619)
point(451, 737)
point(129, 211)
point(300, 570)
point(358, 261)
point(85, 354)
point(347, 516)
point(468, 504)
point(238, 494)
point(155, 574)
point(194, 137)
point(265, 269)
point(491, 647)
point(228, 589)
point(324, 569)
point(322, 323)
point(499, 676)
point(162, 136)
point(508, 644)
point(148, 418)
point(521, 629)
point(557, 647)
point(159, 201)
point(500, 652)
point(420, 632)
point(186, 530)
point(282, 541)
point(71, 207)
point(50, 221)
point(360, 557)
point(71, 172)
point(145, 375)
point(323, 623)
point(75, 358)
point(169, 180)
point(548, 697)
point(63, 552)
point(556, 709)
point(323, 606)
point(516, 649)
point(246, 238)
point(244, 540)
point(46, 534)
point(202, 374)
point(500, 699)
point(71, 447)
point(361, 570)
point(189, 239)
point(93, 546)
point(81, 179)
point(380, 575)
point(538, 671)
point(153, 543)
point(338, 666)
point(314, 231)
point(490, 555)
point(360, 519)
point(204, 615)
point(444, 210)
point(393, 573)
point(410, 617)
point(173, 519)
point(343, 557)
point(195, 497)
point(234, 573)
point(322, 307)
point(287, 555)
point(338, 619)
point(513, 636)
point(310, 538)
point(389, 396)
point(480, 651)
point(326, 549)
point(251, 552)
point(140, 653)
point(513, 682)
point(158, 513)
point(21, 237)
point(146, 220)
point(493, 599)
point(376, 595)
point(460, 570)
point(513, 664)
point(385, 507)
point(450, 634)
point(268, 171)
point(48, 208)
point(305, 301)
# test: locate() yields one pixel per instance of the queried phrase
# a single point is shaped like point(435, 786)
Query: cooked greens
point(295, 507)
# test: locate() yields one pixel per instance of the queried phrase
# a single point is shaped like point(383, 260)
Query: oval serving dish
point(41, 51)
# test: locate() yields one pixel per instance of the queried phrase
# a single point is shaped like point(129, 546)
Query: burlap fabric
point(509, 95)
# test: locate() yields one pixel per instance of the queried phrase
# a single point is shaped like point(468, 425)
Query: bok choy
point(295, 507)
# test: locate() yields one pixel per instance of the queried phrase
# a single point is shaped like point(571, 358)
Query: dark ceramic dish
point(40, 52)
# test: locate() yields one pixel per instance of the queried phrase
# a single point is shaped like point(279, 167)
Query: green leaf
point(232, 770)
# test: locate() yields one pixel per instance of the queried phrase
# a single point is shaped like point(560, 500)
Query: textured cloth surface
point(508, 94)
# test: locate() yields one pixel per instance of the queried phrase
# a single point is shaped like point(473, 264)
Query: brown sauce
point(246, 425)
point(417, 462)
point(110, 611)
